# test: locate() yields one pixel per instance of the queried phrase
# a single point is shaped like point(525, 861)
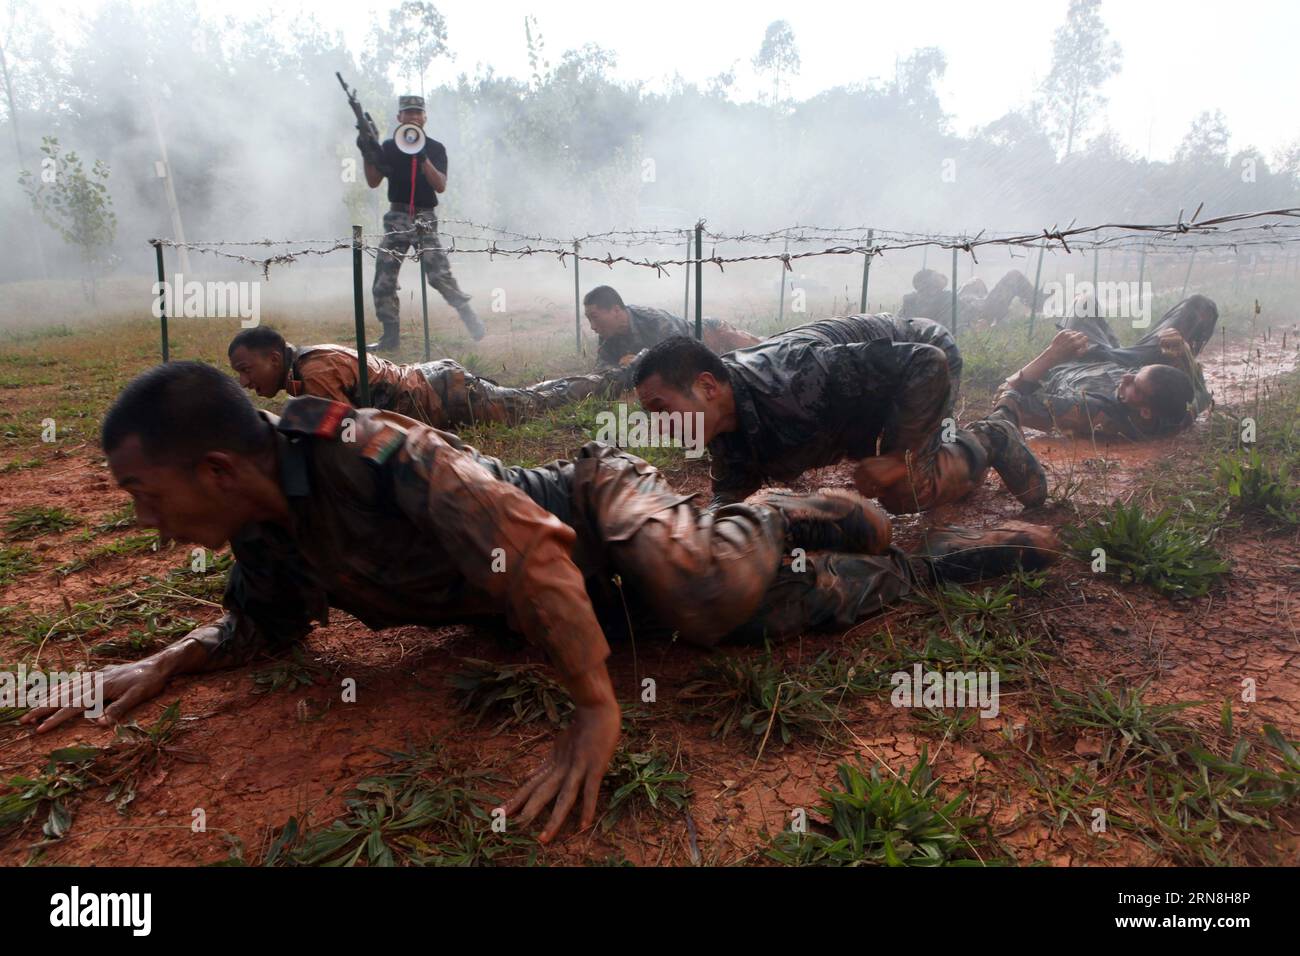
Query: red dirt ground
point(267, 757)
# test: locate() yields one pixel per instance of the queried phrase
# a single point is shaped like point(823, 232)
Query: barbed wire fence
point(1192, 237)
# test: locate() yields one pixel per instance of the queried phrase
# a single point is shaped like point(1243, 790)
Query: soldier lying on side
point(1084, 383)
point(398, 523)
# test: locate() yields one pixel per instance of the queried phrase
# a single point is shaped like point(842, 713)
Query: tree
point(76, 204)
point(913, 86)
point(1207, 140)
point(1083, 59)
point(417, 34)
point(777, 55)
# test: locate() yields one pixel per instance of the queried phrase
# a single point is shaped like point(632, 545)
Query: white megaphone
point(409, 138)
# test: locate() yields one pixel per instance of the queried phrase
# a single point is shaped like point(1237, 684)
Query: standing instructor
point(411, 217)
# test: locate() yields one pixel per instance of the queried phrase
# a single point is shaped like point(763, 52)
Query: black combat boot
point(833, 519)
point(389, 341)
point(1011, 458)
point(956, 554)
point(472, 321)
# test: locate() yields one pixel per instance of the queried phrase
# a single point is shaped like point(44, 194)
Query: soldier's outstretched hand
point(579, 760)
point(126, 685)
point(106, 696)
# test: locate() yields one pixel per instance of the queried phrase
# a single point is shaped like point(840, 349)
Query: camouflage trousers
point(458, 397)
point(400, 233)
point(655, 562)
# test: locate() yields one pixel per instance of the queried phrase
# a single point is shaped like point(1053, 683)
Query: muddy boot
point(833, 519)
point(1012, 460)
point(471, 320)
point(956, 554)
point(389, 341)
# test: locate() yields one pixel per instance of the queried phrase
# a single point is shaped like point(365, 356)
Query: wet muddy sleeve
point(329, 376)
point(505, 545)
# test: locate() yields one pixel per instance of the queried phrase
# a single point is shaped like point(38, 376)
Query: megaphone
point(409, 138)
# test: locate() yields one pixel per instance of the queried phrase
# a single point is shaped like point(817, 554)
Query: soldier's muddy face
point(607, 322)
point(708, 401)
point(261, 371)
point(1135, 390)
point(200, 504)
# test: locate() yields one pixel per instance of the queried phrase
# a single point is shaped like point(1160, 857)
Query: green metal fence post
point(359, 305)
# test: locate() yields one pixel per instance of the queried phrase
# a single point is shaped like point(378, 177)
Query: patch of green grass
point(153, 611)
point(123, 517)
point(884, 820)
point(20, 464)
point(1181, 791)
point(757, 696)
point(1258, 489)
point(65, 775)
point(131, 544)
point(1138, 549)
point(297, 671)
point(512, 694)
point(139, 752)
point(424, 812)
point(1128, 726)
point(35, 521)
point(643, 781)
point(14, 563)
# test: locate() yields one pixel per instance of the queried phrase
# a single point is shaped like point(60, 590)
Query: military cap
point(410, 102)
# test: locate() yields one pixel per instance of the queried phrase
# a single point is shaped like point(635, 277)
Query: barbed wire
point(1180, 236)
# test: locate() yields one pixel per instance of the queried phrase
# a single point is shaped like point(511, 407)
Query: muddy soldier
point(625, 331)
point(441, 393)
point(412, 218)
point(399, 523)
point(1085, 383)
point(871, 389)
point(975, 303)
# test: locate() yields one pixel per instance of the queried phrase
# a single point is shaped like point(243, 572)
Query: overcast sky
point(1179, 56)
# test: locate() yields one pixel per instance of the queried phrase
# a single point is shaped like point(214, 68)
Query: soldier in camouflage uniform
point(855, 388)
point(1085, 383)
point(440, 393)
point(625, 331)
point(398, 523)
point(412, 218)
point(976, 305)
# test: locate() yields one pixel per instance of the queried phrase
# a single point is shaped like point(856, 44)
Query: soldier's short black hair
point(1172, 393)
point(263, 338)
point(603, 297)
point(183, 410)
point(679, 361)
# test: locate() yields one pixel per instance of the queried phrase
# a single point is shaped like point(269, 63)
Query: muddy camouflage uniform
point(844, 389)
point(651, 326)
point(441, 393)
point(1079, 396)
point(405, 524)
